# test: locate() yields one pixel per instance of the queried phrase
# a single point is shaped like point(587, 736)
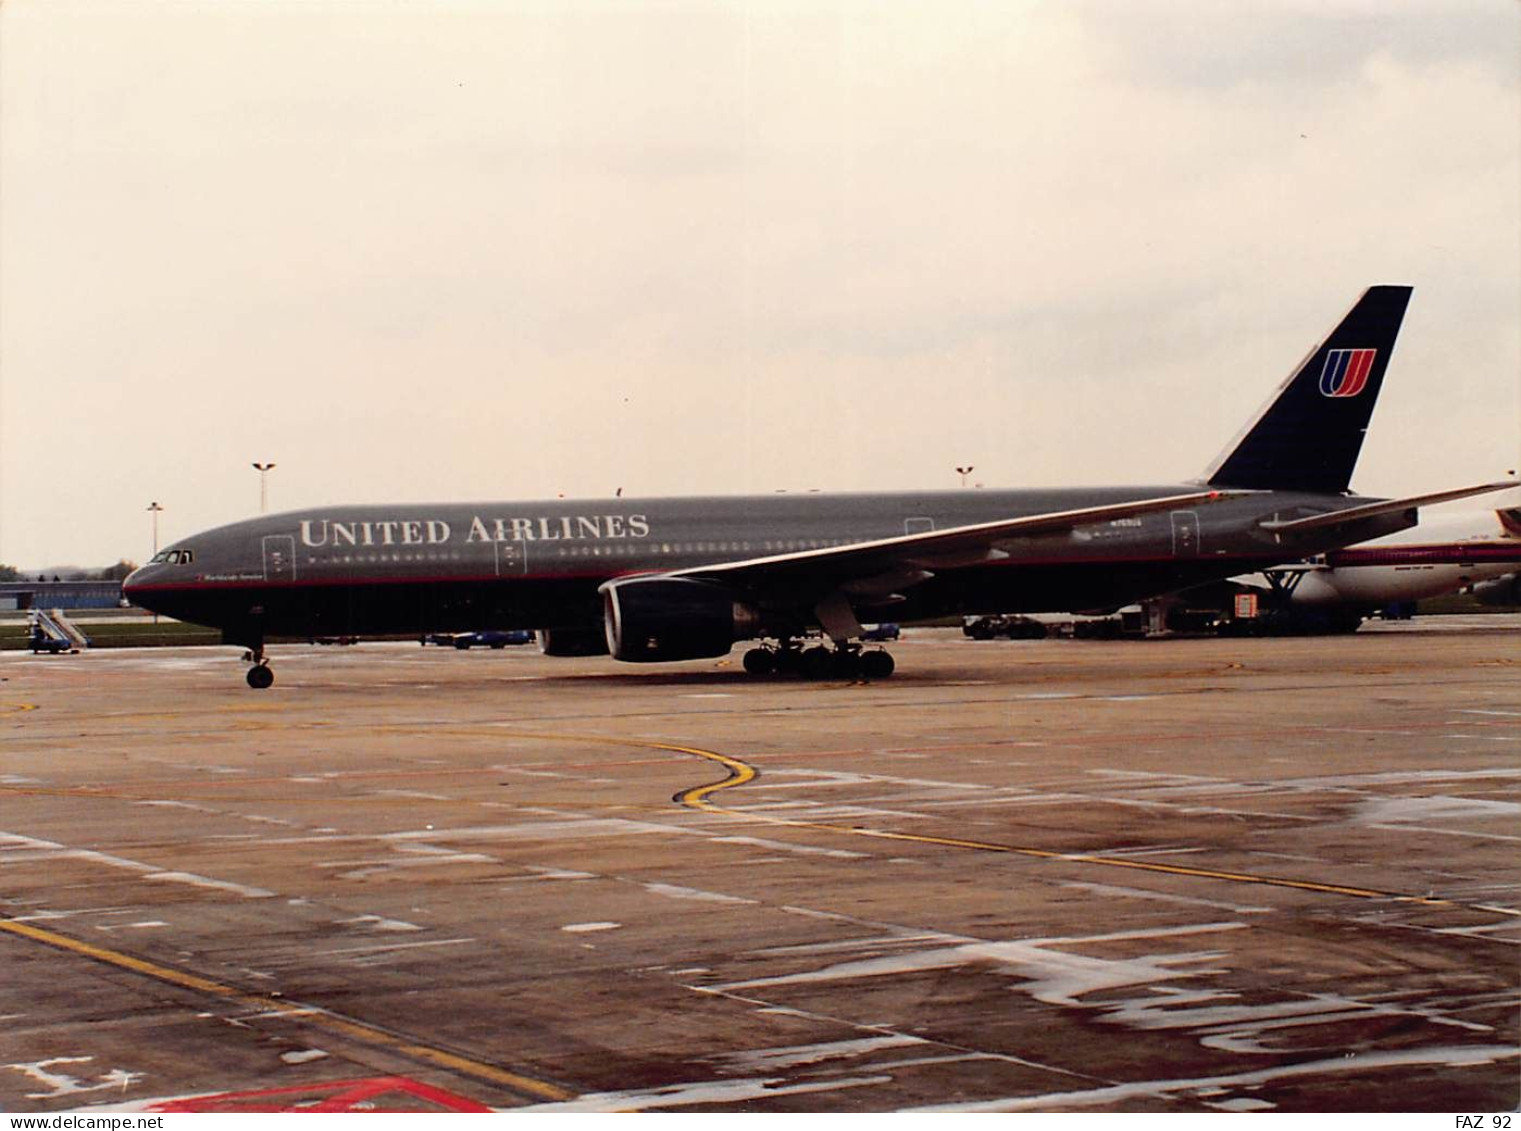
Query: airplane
point(686, 578)
point(1343, 586)
point(1335, 592)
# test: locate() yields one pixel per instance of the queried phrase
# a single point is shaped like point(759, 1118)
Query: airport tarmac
point(1183, 875)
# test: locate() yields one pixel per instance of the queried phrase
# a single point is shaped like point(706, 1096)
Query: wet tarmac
point(1185, 875)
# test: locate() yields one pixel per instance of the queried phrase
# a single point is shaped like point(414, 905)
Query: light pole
point(263, 469)
point(964, 472)
point(153, 509)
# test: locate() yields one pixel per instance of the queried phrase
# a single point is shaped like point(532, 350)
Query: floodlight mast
point(263, 469)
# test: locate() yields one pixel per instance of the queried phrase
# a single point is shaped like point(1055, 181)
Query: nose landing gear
point(260, 675)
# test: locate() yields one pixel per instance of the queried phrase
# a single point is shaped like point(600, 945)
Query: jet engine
point(673, 618)
point(572, 641)
point(1500, 592)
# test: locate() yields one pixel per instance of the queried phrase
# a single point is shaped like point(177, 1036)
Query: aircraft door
point(511, 558)
point(1185, 534)
point(918, 525)
point(279, 557)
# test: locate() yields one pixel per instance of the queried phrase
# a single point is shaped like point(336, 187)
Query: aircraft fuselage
point(402, 569)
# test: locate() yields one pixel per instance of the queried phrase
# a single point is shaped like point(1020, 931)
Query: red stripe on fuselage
point(1446, 554)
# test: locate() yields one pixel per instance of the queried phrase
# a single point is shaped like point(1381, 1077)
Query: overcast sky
point(470, 251)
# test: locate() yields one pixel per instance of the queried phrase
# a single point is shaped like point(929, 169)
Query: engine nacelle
point(1501, 592)
point(572, 641)
point(649, 619)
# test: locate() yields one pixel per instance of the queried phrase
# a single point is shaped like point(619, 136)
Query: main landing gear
point(260, 675)
point(846, 661)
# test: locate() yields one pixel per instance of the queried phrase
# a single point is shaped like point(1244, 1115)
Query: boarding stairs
point(54, 632)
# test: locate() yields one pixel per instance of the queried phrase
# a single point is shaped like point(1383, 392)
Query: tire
point(877, 665)
point(845, 665)
point(815, 663)
point(787, 661)
point(760, 661)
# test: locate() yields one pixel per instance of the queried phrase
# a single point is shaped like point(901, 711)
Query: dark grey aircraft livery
point(685, 578)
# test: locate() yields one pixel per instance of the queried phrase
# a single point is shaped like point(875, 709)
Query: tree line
point(117, 572)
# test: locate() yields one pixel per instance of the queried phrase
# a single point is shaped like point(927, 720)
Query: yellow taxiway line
point(741, 772)
point(295, 1011)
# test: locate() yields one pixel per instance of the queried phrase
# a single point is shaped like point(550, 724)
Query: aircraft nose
point(132, 584)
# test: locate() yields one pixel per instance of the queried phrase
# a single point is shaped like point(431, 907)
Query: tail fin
point(1308, 437)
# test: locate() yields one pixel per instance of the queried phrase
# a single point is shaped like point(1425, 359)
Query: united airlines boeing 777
point(681, 579)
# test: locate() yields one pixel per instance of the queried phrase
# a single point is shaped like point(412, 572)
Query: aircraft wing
point(877, 568)
point(1385, 506)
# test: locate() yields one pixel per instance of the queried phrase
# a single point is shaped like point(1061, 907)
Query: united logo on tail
point(1346, 372)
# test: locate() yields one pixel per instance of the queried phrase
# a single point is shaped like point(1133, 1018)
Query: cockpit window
point(172, 557)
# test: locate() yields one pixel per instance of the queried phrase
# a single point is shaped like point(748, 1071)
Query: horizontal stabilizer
point(1385, 506)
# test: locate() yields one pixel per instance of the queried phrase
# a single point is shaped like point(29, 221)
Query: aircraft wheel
point(877, 665)
point(815, 663)
point(760, 661)
point(846, 665)
point(260, 677)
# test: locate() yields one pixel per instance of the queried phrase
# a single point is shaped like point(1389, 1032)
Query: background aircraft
point(679, 579)
point(1452, 554)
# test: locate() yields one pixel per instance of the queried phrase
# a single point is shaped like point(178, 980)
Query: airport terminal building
point(19, 596)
